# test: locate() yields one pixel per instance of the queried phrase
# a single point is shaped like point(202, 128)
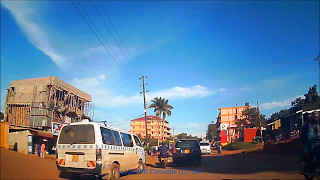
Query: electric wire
point(121, 40)
point(112, 56)
point(114, 38)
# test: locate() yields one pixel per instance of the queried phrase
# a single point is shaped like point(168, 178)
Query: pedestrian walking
point(43, 148)
point(38, 149)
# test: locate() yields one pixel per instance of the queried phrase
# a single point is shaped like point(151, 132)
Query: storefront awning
point(41, 133)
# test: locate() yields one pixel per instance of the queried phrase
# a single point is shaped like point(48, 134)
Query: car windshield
point(187, 144)
point(77, 134)
point(204, 144)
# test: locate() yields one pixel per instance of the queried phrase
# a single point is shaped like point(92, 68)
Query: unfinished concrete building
point(33, 104)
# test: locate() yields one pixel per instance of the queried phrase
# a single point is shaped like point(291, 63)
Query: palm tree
point(161, 108)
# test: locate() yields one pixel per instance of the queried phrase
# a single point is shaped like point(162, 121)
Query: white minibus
point(97, 149)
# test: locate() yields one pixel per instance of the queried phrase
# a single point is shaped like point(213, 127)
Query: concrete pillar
point(4, 135)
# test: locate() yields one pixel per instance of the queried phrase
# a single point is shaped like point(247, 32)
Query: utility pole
point(259, 119)
point(318, 59)
point(173, 134)
point(145, 105)
point(229, 140)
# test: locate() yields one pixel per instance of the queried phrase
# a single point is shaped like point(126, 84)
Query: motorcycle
point(165, 161)
point(219, 148)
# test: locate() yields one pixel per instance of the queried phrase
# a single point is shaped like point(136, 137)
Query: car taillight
point(98, 155)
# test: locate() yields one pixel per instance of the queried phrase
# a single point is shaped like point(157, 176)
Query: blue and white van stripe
point(107, 147)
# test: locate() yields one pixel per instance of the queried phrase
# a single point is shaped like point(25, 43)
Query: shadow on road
point(246, 163)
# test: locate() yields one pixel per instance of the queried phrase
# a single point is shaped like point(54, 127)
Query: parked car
point(187, 150)
point(205, 147)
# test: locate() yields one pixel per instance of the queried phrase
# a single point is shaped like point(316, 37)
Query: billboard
point(56, 127)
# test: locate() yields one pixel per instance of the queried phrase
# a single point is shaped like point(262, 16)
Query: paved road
point(252, 165)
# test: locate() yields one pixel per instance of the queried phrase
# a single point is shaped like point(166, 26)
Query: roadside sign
point(56, 127)
point(223, 127)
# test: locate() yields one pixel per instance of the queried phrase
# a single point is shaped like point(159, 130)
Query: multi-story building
point(227, 123)
point(157, 127)
point(36, 107)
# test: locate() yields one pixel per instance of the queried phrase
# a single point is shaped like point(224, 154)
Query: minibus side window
point(127, 140)
point(117, 138)
point(107, 137)
point(136, 139)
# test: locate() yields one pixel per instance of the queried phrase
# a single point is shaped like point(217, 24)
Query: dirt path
point(15, 165)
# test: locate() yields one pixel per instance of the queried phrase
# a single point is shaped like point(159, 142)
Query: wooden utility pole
point(229, 140)
point(173, 134)
point(145, 106)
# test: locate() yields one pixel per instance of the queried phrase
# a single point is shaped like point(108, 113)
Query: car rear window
point(204, 144)
point(187, 144)
point(77, 134)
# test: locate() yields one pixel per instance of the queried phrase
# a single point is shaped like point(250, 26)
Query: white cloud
point(278, 104)
point(197, 91)
point(102, 77)
point(105, 98)
point(245, 89)
point(86, 82)
point(24, 14)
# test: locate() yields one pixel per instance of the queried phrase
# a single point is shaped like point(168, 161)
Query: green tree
point(311, 97)
point(182, 136)
point(161, 108)
point(212, 131)
point(298, 101)
point(250, 118)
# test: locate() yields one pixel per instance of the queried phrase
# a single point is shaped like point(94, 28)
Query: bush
point(239, 145)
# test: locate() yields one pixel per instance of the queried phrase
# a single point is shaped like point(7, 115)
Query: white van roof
point(101, 124)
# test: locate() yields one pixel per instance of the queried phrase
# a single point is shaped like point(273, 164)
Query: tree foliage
point(251, 117)
point(311, 97)
point(161, 107)
point(212, 131)
point(182, 136)
point(186, 136)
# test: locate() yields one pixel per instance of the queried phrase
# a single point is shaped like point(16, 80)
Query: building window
point(132, 127)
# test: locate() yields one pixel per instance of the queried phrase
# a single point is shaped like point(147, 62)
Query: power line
point(125, 53)
point(111, 53)
point(115, 29)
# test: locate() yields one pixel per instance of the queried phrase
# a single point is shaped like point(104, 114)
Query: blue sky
point(200, 55)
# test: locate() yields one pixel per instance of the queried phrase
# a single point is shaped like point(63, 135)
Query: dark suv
point(187, 150)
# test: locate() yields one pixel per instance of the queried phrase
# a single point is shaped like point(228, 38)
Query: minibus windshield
point(77, 134)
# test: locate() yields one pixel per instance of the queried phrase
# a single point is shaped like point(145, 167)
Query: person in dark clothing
point(39, 150)
point(163, 151)
point(309, 132)
point(309, 135)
